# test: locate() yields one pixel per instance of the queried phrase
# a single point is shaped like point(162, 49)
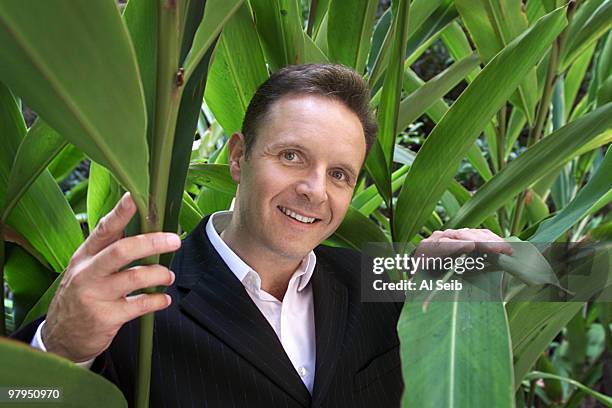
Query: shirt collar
point(214, 227)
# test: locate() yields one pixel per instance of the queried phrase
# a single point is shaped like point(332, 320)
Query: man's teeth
point(306, 220)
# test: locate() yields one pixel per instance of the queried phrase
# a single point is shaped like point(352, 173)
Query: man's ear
point(235, 153)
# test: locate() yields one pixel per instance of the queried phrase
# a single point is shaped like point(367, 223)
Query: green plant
point(532, 120)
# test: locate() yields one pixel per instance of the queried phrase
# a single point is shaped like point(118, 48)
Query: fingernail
point(173, 240)
point(168, 299)
point(173, 277)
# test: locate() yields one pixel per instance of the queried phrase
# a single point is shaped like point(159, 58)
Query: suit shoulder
point(343, 262)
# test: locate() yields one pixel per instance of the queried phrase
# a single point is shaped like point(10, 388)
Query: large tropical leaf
point(236, 71)
point(216, 14)
point(42, 215)
point(103, 193)
point(357, 230)
point(350, 25)
point(443, 346)
point(79, 387)
point(279, 24)
point(39, 147)
point(380, 157)
point(214, 176)
point(448, 143)
point(51, 52)
point(186, 124)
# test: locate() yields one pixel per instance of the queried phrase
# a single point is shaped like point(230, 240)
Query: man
point(257, 315)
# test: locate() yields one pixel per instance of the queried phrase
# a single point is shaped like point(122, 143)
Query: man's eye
point(338, 175)
point(289, 155)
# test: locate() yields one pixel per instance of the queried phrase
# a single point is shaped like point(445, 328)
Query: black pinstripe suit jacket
point(214, 348)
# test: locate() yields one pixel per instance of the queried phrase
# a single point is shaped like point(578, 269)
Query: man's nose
point(313, 186)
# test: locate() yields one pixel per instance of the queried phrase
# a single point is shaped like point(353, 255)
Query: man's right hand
point(91, 303)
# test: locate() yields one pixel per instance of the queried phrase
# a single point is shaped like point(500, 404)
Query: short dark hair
point(328, 80)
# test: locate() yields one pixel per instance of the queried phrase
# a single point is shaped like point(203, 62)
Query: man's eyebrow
point(285, 145)
point(349, 168)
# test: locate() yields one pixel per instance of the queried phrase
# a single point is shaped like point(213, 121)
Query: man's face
point(304, 164)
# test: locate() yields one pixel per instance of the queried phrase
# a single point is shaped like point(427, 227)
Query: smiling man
point(257, 312)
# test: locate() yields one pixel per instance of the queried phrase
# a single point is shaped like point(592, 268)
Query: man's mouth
point(304, 219)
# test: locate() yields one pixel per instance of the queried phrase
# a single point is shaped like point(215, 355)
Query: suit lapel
point(331, 309)
point(218, 301)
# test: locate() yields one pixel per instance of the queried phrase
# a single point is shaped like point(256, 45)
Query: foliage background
point(492, 113)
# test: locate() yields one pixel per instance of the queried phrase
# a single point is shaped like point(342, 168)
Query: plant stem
point(501, 162)
point(501, 137)
point(168, 96)
point(531, 395)
point(535, 134)
point(518, 213)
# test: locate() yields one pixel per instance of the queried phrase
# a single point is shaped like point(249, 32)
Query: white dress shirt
point(292, 319)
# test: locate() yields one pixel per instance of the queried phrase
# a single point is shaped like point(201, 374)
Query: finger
point(111, 226)
point(127, 250)
point(450, 246)
point(138, 305)
point(491, 243)
point(122, 283)
point(485, 240)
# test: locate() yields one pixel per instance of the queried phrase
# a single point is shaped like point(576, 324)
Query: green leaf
point(190, 214)
point(526, 263)
point(492, 26)
point(43, 215)
point(533, 164)
point(376, 167)
point(369, 199)
point(105, 117)
point(575, 76)
point(598, 186)
point(436, 112)
point(322, 7)
point(42, 304)
point(449, 141)
point(585, 31)
point(210, 201)
point(40, 145)
point(607, 401)
point(279, 24)
point(356, 230)
point(184, 133)
point(103, 193)
point(312, 53)
point(388, 108)
point(24, 367)
point(458, 46)
point(350, 25)
point(443, 344)
point(236, 71)
point(416, 103)
point(140, 17)
point(27, 279)
point(533, 325)
point(64, 163)
point(216, 14)
point(213, 176)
